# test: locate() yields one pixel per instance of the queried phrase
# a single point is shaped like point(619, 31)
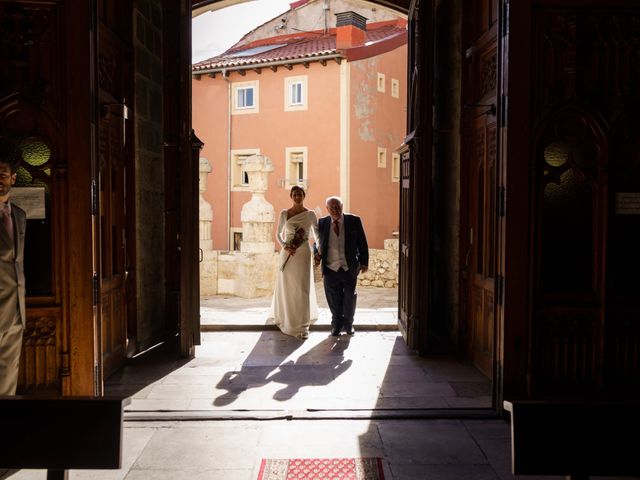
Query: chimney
point(350, 30)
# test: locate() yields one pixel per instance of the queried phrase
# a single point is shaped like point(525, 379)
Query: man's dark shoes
point(351, 331)
point(335, 332)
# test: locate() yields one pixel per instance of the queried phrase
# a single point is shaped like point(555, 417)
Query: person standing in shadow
point(13, 222)
point(344, 253)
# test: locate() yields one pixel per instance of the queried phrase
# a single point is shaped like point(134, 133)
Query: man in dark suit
point(344, 253)
point(12, 292)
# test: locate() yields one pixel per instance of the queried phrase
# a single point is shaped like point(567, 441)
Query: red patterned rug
point(321, 469)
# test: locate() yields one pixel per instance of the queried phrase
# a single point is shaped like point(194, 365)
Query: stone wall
point(220, 272)
point(383, 266)
point(238, 274)
point(149, 172)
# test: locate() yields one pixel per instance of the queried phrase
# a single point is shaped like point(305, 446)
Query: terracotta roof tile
point(281, 49)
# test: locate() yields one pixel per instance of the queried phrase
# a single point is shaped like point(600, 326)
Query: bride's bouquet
point(295, 242)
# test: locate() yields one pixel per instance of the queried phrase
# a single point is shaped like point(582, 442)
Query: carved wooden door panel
point(480, 257)
point(585, 165)
point(112, 246)
point(32, 113)
point(113, 82)
point(480, 177)
point(404, 307)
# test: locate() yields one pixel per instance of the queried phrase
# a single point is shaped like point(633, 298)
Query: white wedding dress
point(294, 306)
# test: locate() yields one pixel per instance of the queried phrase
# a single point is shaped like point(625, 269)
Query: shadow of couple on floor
point(267, 362)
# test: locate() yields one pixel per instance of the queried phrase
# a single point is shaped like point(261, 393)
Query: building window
point(245, 97)
point(395, 167)
point(382, 157)
point(381, 82)
point(239, 176)
point(236, 238)
point(295, 93)
point(296, 166)
point(395, 88)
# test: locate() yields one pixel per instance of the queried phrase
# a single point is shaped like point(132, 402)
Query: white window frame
point(236, 87)
point(237, 171)
point(395, 167)
point(381, 157)
point(290, 179)
point(381, 82)
point(289, 82)
point(395, 88)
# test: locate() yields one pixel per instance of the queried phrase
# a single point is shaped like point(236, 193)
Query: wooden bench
point(60, 433)
point(575, 438)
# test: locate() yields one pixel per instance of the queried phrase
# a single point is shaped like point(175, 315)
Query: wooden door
point(480, 177)
point(111, 177)
point(112, 160)
point(181, 156)
point(415, 218)
point(584, 198)
point(480, 258)
point(404, 306)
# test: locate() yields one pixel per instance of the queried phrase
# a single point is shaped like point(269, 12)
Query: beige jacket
point(12, 289)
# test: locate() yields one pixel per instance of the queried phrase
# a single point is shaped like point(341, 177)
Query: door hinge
point(94, 198)
point(505, 18)
point(93, 16)
point(499, 289)
point(97, 381)
point(503, 110)
point(96, 289)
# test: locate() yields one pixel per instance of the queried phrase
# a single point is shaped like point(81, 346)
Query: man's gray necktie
point(5, 212)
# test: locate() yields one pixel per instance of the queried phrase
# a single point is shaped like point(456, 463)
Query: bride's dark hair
point(295, 188)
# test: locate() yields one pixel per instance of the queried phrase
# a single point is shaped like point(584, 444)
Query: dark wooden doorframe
point(415, 188)
point(112, 82)
point(182, 233)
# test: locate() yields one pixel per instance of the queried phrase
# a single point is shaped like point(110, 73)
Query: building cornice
point(273, 65)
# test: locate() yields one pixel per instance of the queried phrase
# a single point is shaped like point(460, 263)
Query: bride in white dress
point(294, 306)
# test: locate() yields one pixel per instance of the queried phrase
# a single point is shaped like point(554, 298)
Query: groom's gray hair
point(334, 197)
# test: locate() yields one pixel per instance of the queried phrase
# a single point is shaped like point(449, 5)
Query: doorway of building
point(472, 336)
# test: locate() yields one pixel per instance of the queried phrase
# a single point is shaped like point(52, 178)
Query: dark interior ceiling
point(200, 6)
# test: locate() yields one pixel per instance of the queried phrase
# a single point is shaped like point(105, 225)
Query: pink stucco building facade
point(327, 106)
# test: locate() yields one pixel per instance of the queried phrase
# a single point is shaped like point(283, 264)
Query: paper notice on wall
point(30, 199)
point(627, 203)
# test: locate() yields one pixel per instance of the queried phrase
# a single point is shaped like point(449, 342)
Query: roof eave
point(274, 63)
point(376, 48)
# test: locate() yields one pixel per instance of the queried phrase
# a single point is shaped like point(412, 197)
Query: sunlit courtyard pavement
point(249, 395)
point(268, 373)
point(377, 308)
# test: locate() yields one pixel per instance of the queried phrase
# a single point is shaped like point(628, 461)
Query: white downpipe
point(229, 159)
point(345, 111)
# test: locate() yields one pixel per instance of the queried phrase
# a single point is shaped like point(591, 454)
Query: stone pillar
point(257, 215)
point(209, 259)
point(255, 261)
